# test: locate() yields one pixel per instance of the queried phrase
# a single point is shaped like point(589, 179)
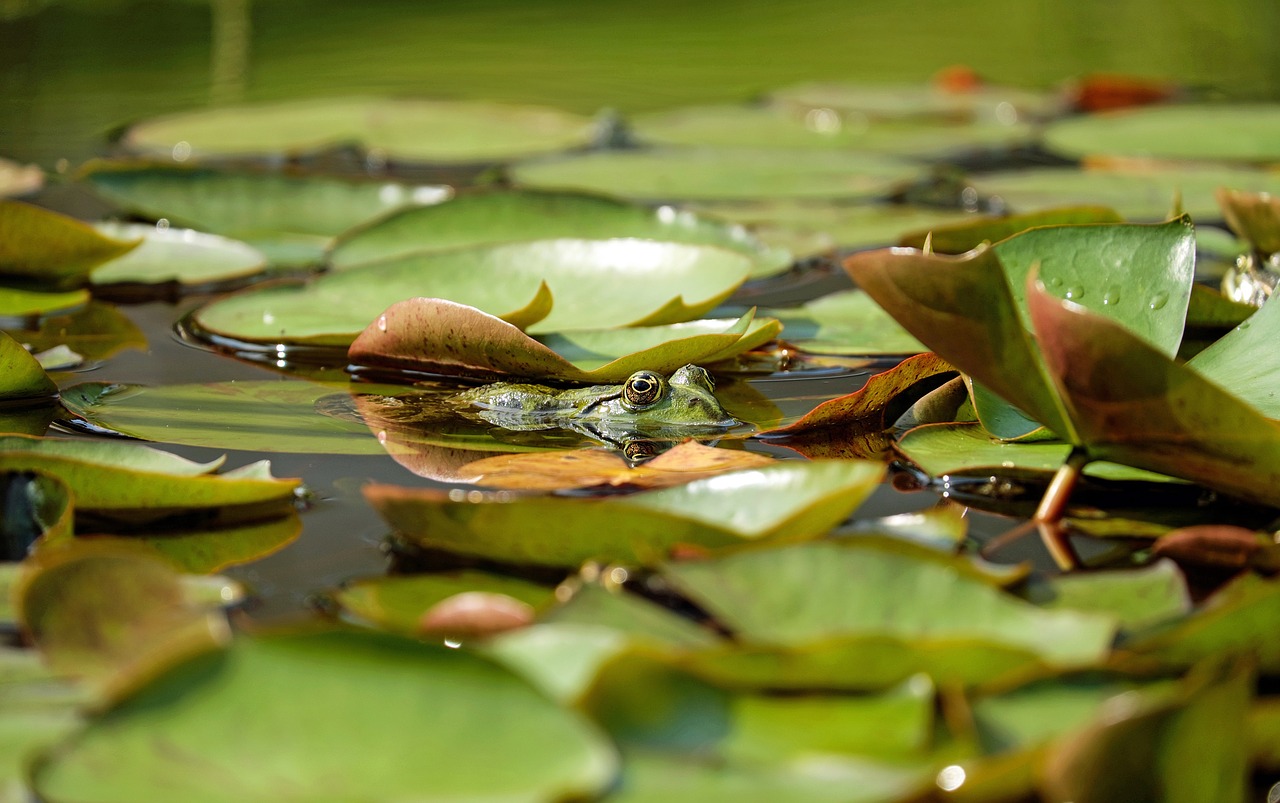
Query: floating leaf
point(504, 216)
point(123, 476)
point(719, 174)
point(847, 322)
point(47, 247)
point(428, 334)
point(804, 593)
point(1241, 618)
point(587, 468)
point(16, 179)
point(205, 551)
point(957, 238)
point(1247, 133)
point(1139, 598)
point(183, 256)
point(789, 500)
point(1242, 362)
point(1253, 216)
point(96, 332)
point(21, 377)
point(546, 286)
point(37, 708)
point(907, 101)
point(170, 738)
point(401, 604)
point(18, 303)
point(399, 129)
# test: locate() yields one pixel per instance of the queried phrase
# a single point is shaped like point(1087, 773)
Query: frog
point(646, 404)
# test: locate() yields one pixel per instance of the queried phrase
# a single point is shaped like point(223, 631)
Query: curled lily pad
point(434, 334)
point(1248, 133)
point(184, 256)
point(547, 286)
point(400, 129)
point(720, 174)
point(170, 737)
point(1253, 216)
point(847, 322)
point(123, 476)
point(43, 246)
point(790, 500)
point(502, 216)
point(209, 550)
point(17, 179)
point(21, 377)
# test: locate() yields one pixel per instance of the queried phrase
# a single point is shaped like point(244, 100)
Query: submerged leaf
point(47, 247)
point(789, 500)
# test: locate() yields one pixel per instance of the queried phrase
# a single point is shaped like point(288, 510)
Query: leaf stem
point(1054, 503)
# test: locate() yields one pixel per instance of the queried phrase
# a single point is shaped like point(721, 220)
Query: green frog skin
point(646, 404)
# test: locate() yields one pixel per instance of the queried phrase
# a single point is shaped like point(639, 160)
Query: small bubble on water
point(1158, 301)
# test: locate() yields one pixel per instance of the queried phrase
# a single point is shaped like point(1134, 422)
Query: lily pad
point(43, 246)
point(170, 738)
point(21, 377)
point(720, 174)
point(546, 286)
point(906, 101)
point(847, 322)
point(805, 593)
point(775, 127)
point(1247, 133)
point(95, 332)
point(17, 179)
point(505, 216)
point(429, 334)
point(205, 551)
point(398, 129)
point(17, 304)
point(956, 238)
point(1140, 192)
point(789, 501)
point(1139, 597)
point(122, 476)
point(37, 708)
point(400, 604)
point(184, 256)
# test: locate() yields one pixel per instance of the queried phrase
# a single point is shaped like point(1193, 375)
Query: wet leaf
point(825, 431)
point(957, 238)
point(1155, 746)
point(504, 216)
point(17, 179)
point(183, 256)
point(847, 322)
point(21, 377)
point(400, 603)
point(804, 593)
point(1253, 216)
point(263, 416)
point(586, 468)
point(719, 174)
point(36, 506)
point(96, 332)
point(1241, 361)
point(790, 500)
point(433, 334)
point(543, 286)
point(774, 127)
point(1137, 192)
point(1137, 597)
point(170, 738)
point(1247, 133)
point(51, 248)
point(18, 303)
point(107, 475)
point(398, 129)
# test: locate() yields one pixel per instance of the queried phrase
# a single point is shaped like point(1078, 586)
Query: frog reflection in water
point(646, 404)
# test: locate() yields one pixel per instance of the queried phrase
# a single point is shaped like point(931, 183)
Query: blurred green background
point(72, 70)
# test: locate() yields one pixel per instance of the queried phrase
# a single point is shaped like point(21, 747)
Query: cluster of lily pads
point(711, 623)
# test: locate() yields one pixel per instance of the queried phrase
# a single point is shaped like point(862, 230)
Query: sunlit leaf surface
point(46, 247)
point(848, 322)
point(1247, 133)
point(176, 255)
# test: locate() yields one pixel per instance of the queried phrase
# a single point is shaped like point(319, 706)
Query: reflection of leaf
point(789, 500)
point(585, 468)
point(176, 255)
point(433, 334)
point(21, 377)
point(47, 247)
point(281, 696)
point(98, 331)
point(18, 303)
point(501, 216)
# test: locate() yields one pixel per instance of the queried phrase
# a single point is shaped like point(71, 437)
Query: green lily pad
point(291, 214)
point(804, 593)
point(96, 332)
point(774, 127)
point(44, 246)
point(543, 286)
point(107, 475)
point(183, 256)
point(17, 179)
point(1137, 193)
point(907, 101)
point(505, 216)
point(399, 129)
point(791, 501)
point(1240, 618)
point(170, 739)
point(21, 377)
point(847, 322)
point(1138, 597)
point(18, 303)
point(720, 174)
point(1241, 361)
point(37, 708)
point(1248, 133)
point(264, 416)
point(627, 613)
point(957, 238)
point(434, 334)
point(397, 604)
point(206, 551)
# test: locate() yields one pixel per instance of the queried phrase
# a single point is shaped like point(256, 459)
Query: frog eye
point(643, 389)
